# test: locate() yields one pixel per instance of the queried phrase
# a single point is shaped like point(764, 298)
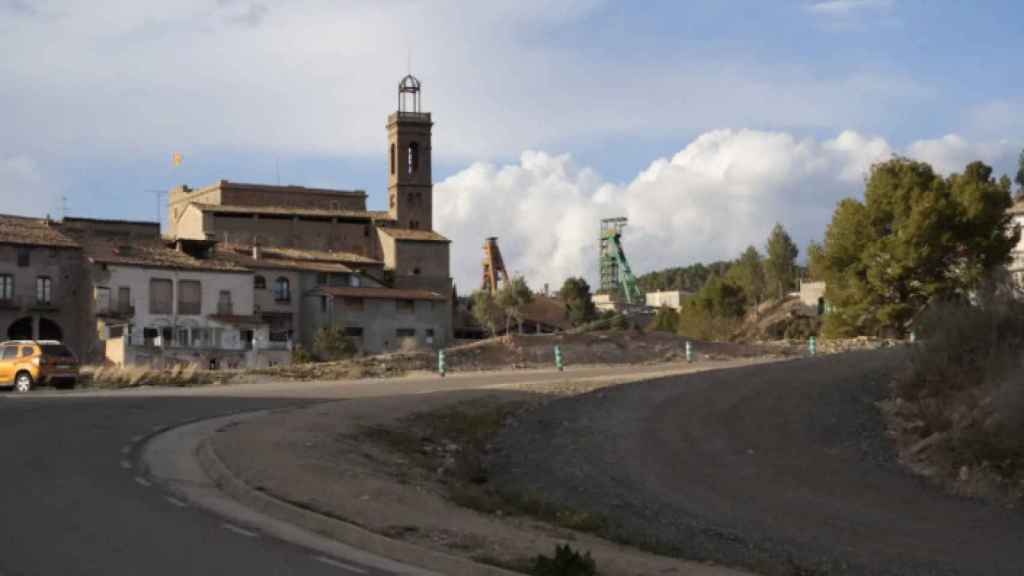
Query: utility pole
point(156, 195)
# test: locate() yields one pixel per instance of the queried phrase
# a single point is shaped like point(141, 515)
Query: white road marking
point(176, 502)
point(127, 465)
point(238, 530)
point(342, 565)
point(142, 481)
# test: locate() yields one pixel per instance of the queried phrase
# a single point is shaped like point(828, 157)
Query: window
point(224, 303)
point(102, 296)
point(116, 332)
point(429, 332)
point(190, 297)
point(259, 282)
point(353, 281)
point(200, 337)
point(322, 278)
point(282, 290)
point(150, 333)
point(414, 157)
point(26, 351)
point(160, 296)
point(406, 306)
point(392, 158)
point(354, 331)
point(405, 333)
point(10, 352)
point(354, 304)
point(6, 287)
point(24, 257)
point(124, 299)
point(44, 288)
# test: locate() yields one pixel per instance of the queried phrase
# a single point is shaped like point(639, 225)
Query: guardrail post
point(812, 345)
point(689, 351)
point(558, 359)
point(441, 367)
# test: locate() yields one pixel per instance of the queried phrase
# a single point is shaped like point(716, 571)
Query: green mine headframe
point(616, 277)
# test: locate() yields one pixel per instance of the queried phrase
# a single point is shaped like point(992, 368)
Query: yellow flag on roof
point(177, 159)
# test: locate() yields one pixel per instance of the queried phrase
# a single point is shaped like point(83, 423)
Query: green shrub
point(964, 379)
point(567, 562)
point(618, 322)
point(301, 356)
point(330, 343)
point(666, 320)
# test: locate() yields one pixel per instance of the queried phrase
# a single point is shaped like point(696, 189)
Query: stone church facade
point(382, 274)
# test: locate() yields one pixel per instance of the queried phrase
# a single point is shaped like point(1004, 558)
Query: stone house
point(155, 303)
point(41, 293)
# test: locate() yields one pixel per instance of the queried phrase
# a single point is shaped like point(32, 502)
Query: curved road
point(782, 468)
point(75, 500)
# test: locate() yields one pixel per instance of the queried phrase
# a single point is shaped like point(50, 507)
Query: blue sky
point(97, 97)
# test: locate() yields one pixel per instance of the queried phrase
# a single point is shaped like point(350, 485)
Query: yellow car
point(26, 363)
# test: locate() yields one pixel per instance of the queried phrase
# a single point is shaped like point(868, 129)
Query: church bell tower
point(410, 185)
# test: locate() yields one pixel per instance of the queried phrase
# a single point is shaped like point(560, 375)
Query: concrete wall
point(422, 258)
point(672, 298)
point(291, 232)
point(68, 297)
point(811, 293)
point(292, 197)
point(381, 319)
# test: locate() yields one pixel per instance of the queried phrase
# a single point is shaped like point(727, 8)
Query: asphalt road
point(784, 469)
point(75, 499)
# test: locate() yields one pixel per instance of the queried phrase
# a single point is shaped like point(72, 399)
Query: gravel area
point(782, 468)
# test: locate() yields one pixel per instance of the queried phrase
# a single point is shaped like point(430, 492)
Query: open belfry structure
point(321, 257)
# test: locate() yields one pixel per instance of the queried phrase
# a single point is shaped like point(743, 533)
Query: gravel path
point(781, 468)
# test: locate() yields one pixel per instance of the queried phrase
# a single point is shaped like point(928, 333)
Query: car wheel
point(23, 382)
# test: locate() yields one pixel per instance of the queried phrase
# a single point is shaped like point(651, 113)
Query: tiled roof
point(290, 211)
point(294, 258)
point(415, 235)
point(381, 293)
point(152, 254)
point(33, 232)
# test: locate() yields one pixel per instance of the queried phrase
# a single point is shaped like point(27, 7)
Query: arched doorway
point(20, 329)
point(50, 330)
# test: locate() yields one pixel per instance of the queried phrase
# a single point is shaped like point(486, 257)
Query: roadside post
point(441, 367)
point(558, 359)
point(689, 352)
point(812, 345)
point(913, 337)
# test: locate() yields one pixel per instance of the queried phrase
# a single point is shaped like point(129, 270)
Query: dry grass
point(133, 376)
point(959, 408)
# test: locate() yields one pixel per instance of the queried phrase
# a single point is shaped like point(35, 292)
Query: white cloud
point(722, 192)
point(319, 77)
point(845, 8)
point(952, 152)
